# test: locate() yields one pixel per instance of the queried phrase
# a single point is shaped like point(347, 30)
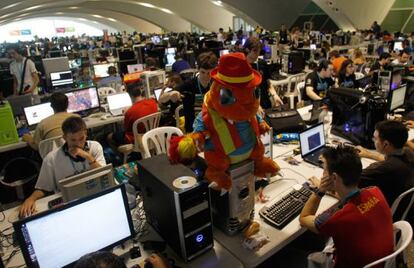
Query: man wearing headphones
point(393, 172)
point(24, 72)
point(318, 82)
point(76, 156)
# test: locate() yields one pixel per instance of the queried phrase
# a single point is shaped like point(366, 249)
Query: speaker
point(177, 205)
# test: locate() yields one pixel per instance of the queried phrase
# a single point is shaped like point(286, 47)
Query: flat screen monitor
point(55, 54)
point(170, 55)
point(312, 139)
point(60, 79)
point(157, 92)
point(19, 102)
point(397, 77)
point(101, 70)
point(35, 114)
point(82, 100)
point(126, 54)
point(397, 98)
point(119, 101)
point(312, 46)
point(398, 45)
point(60, 236)
point(156, 39)
point(134, 68)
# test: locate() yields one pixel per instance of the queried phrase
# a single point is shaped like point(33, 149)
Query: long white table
point(91, 122)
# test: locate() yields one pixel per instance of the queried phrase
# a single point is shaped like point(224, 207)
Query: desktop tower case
point(176, 205)
point(293, 62)
point(8, 131)
point(233, 211)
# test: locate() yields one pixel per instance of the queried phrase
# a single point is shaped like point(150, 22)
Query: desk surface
point(91, 122)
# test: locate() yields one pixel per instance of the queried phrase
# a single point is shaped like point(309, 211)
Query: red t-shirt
point(362, 229)
point(138, 110)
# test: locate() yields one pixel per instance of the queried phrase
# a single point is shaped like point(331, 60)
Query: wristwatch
point(319, 192)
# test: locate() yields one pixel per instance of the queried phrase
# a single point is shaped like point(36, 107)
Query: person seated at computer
point(359, 60)
point(25, 77)
point(50, 126)
point(318, 82)
point(382, 63)
point(141, 107)
point(77, 155)
point(393, 172)
point(106, 259)
point(346, 77)
point(403, 57)
point(336, 59)
point(170, 101)
point(191, 92)
point(113, 80)
point(180, 64)
point(365, 209)
point(268, 95)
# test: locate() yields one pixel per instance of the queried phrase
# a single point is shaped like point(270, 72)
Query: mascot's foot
point(218, 180)
point(265, 167)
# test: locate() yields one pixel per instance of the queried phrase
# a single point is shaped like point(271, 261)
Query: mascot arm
point(184, 149)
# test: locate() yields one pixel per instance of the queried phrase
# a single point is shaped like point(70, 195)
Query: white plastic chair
point(405, 239)
point(398, 200)
point(150, 122)
point(359, 75)
point(159, 139)
point(48, 145)
point(300, 87)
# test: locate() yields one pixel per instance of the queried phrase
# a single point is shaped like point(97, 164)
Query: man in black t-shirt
point(382, 63)
point(318, 82)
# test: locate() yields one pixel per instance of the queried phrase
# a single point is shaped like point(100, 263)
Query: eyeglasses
point(227, 98)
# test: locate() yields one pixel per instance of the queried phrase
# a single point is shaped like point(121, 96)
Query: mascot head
point(235, 93)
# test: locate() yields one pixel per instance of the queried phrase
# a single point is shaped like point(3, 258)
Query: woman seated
point(346, 76)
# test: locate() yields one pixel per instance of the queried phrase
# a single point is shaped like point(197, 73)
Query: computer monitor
point(312, 46)
point(101, 70)
point(312, 139)
point(398, 45)
point(60, 79)
point(156, 39)
point(60, 236)
point(170, 55)
point(55, 54)
point(75, 64)
point(397, 77)
point(82, 100)
point(126, 54)
point(224, 52)
point(157, 92)
point(86, 183)
point(35, 114)
point(19, 102)
point(397, 98)
point(134, 68)
point(119, 101)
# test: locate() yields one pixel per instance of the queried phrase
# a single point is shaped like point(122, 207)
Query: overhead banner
point(65, 30)
point(20, 32)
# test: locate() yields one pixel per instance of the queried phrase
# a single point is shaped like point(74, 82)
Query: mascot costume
point(228, 128)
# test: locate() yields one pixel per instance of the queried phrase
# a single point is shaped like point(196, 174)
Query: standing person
point(360, 225)
point(283, 35)
point(376, 28)
point(25, 77)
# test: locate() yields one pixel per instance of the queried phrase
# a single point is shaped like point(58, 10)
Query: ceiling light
point(111, 19)
point(218, 3)
point(146, 4)
point(22, 15)
point(166, 10)
point(97, 16)
point(10, 6)
point(33, 7)
point(82, 19)
point(73, 7)
point(95, 22)
point(59, 13)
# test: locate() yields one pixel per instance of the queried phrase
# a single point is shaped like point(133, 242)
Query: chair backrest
point(177, 115)
point(405, 239)
point(397, 201)
point(300, 87)
point(159, 139)
point(293, 80)
point(150, 122)
point(48, 145)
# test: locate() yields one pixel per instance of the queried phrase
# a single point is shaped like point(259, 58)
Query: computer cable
point(138, 218)
point(294, 171)
point(12, 254)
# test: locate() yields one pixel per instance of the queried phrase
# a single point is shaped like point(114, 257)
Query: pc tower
point(176, 205)
point(233, 211)
point(293, 62)
point(8, 131)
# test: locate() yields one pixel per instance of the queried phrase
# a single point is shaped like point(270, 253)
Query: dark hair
point(136, 89)
point(100, 259)
point(150, 62)
point(323, 65)
point(59, 102)
point(73, 124)
point(384, 55)
point(392, 131)
point(404, 51)
point(112, 70)
point(207, 60)
point(342, 71)
point(344, 161)
point(176, 78)
point(250, 44)
point(334, 53)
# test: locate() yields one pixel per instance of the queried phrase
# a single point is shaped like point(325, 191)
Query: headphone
point(77, 158)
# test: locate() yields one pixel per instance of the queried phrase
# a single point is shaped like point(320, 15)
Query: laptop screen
point(157, 92)
point(312, 139)
point(35, 114)
point(119, 101)
point(61, 236)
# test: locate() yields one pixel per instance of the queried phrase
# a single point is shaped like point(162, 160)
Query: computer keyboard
point(286, 209)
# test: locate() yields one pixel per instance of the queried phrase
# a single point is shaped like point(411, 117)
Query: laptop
point(312, 144)
point(118, 103)
point(36, 113)
point(315, 113)
point(157, 92)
